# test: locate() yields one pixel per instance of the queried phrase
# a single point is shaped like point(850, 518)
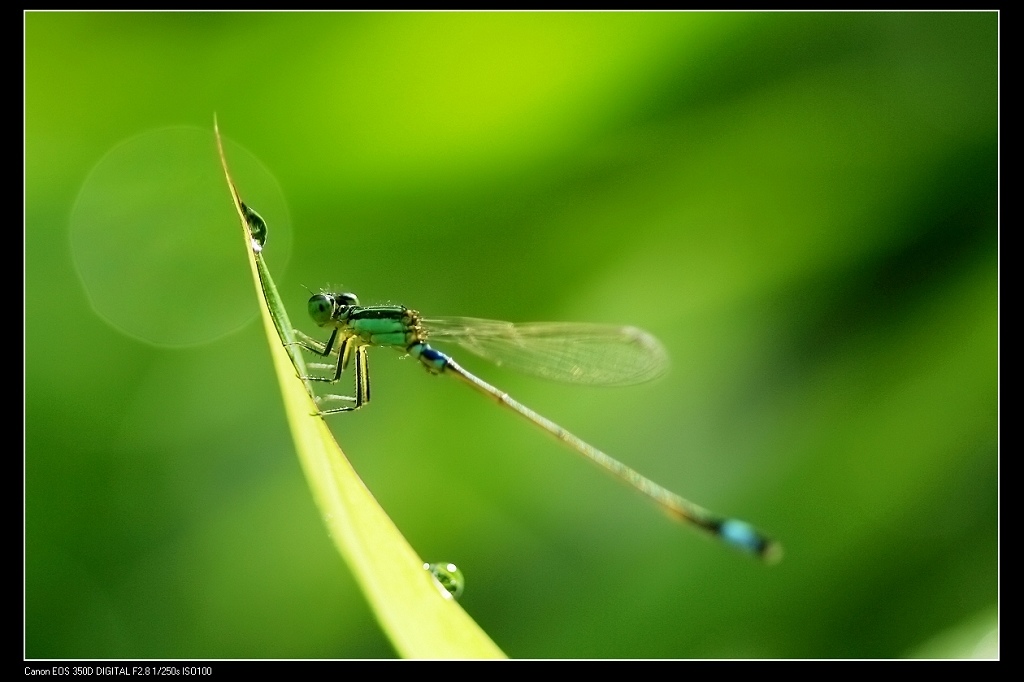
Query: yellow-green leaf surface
point(421, 618)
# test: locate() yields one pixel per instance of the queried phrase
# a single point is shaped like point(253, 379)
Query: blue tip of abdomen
point(742, 535)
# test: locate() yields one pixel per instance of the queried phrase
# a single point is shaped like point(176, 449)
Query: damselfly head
point(324, 307)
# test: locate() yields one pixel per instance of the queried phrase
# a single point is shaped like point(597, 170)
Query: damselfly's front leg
point(362, 375)
point(362, 372)
point(307, 342)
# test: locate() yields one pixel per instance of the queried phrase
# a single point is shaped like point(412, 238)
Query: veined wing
point(596, 354)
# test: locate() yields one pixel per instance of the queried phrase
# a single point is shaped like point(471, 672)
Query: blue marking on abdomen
point(435, 360)
point(742, 535)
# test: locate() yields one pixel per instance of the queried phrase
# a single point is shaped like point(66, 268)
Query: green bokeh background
point(802, 207)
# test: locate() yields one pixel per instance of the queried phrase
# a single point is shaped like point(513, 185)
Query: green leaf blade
point(420, 618)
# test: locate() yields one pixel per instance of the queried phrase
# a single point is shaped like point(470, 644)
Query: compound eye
point(321, 308)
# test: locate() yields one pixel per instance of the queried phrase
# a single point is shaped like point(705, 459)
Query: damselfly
point(580, 353)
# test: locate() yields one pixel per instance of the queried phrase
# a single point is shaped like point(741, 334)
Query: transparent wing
point(595, 354)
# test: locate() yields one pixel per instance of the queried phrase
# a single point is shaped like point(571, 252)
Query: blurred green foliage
point(801, 206)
